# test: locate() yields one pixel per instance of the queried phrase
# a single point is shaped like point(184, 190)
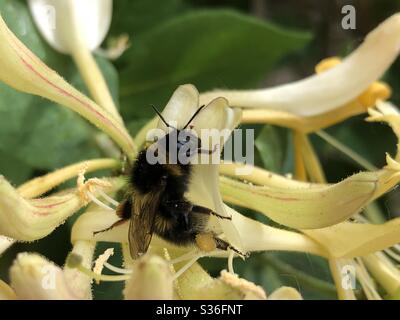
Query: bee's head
point(184, 142)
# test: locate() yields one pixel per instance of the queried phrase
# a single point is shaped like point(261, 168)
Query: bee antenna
point(193, 116)
point(160, 115)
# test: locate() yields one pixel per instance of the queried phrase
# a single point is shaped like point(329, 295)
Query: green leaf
point(209, 48)
point(15, 170)
point(137, 16)
point(271, 143)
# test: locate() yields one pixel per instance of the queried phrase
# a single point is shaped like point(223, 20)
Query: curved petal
point(365, 238)
point(29, 220)
point(55, 18)
point(257, 236)
point(80, 283)
point(331, 89)
point(5, 243)
point(180, 107)
point(23, 71)
point(6, 292)
point(285, 293)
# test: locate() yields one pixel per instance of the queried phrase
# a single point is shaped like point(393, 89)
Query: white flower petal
point(35, 278)
point(79, 283)
point(285, 293)
point(331, 89)
point(55, 18)
point(180, 107)
point(151, 280)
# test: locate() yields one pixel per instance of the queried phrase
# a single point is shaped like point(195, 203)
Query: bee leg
point(223, 245)
point(204, 210)
point(115, 224)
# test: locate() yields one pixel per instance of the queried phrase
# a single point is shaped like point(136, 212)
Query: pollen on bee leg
point(206, 242)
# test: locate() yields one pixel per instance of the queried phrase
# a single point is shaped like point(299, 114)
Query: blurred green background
point(212, 44)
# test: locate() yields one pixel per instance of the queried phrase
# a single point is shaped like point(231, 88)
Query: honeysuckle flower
point(328, 90)
point(376, 91)
point(57, 19)
point(23, 71)
point(76, 28)
point(32, 219)
point(339, 90)
point(34, 277)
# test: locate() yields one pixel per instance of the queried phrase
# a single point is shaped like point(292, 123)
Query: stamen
point(392, 254)
point(98, 202)
point(230, 261)
point(75, 261)
point(117, 269)
point(107, 197)
point(99, 263)
point(397, 247)
point(85, 189)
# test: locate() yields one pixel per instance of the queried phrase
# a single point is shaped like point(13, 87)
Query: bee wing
point(141, 224)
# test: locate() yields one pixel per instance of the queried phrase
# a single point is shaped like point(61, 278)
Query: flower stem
point(94, 80)
point(299, 169)
point(311, 161)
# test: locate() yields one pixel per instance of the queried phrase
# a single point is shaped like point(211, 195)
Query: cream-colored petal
point(6, 292)
point(257, 236)
point(23, 71)
point(331, 89)
point(151, 280)
point(285, 293)
point(95, 219)
point(53, 19)
point(180, 107)
point(305, 208)
point(28, 220)
point(79, 283)
point(365, 238)
point(35, 278)
point(5, 243)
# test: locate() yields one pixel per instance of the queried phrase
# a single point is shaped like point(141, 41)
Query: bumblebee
point(156, 202)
